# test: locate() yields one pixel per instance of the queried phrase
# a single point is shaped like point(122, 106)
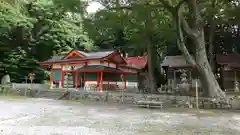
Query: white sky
point(93, 7)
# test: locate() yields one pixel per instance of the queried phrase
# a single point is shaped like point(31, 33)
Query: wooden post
point(70, 95)
point(236, 89)
point(174, 80)
point(190, 75)
point(67, 80)
point(31, 86)
point(197, 95)
point(235, 76)
point(222, 77)
point(123, 88)
point(25, 93)
point(101, 81)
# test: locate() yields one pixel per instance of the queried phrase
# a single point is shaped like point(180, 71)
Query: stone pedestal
point(236, 85)
point(236, 102)
point(51, 84)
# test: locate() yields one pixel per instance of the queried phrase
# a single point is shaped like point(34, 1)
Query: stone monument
point(184, 86)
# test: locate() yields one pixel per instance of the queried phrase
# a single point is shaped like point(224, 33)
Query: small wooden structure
point(174, 67)
point(228, 71)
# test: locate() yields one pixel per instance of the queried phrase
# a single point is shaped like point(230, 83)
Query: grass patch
point(12, 97)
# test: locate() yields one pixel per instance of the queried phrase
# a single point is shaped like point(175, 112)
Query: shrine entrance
point(73, 79)
point(80, 80)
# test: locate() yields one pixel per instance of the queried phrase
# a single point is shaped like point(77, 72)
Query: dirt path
point(49, 117)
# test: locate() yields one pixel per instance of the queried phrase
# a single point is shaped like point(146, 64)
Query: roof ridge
point(102, 50)
point(134, 57)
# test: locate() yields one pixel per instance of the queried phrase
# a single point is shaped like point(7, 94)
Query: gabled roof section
point(74, 53)
point(232, 60)
point(111, 55)
point(177, 61)
point(116, 57)
point(139, 62)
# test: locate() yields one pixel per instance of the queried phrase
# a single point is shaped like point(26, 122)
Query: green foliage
point(125, 25)
point(125, 28)
point(31, 30)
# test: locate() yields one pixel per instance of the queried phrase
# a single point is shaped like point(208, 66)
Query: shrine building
point(99, 70)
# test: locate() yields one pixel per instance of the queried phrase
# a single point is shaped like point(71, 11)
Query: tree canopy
point(34, 30)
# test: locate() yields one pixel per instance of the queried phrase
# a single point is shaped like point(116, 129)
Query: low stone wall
point(168, 100)
point(129, 98)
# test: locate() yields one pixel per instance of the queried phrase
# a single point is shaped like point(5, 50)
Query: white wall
point(69, 67)
point(120, 84)
point(25, 86)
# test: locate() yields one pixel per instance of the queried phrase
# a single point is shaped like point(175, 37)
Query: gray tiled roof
point(90, 55)
point(67, 60)
point(175, 61)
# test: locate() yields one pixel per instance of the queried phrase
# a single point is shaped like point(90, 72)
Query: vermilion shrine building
point(101, 70)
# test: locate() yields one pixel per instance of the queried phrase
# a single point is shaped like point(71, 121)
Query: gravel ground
point(49, 117)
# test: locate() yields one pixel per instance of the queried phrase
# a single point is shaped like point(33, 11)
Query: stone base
point(235, 103)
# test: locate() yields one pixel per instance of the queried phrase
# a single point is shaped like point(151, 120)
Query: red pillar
point(101, 81)
point(84, 79)
point(61, 80)
point(51, 80)
point(124, 78)
point(98, 80)
point(76, 79)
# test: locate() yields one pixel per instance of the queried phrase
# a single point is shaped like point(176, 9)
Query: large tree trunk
point(196, 34)
point(211, 49)
point(152, 81)
point(208, 79)
point(151, 65)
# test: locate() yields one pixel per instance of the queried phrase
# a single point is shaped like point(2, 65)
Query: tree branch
point(175, 10)
point(197, 19)
point(186, 27)
point(181, 44)
point(181, 22)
